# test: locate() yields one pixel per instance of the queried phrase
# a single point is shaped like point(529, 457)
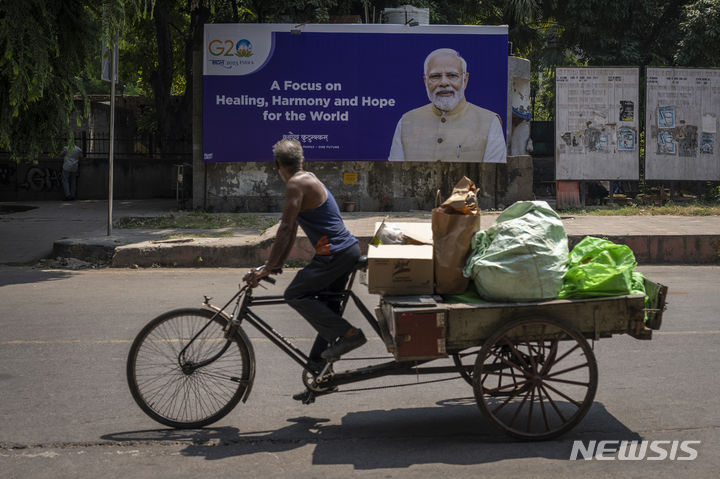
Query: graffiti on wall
point(7, 174)
point(42, 179)
point(31, 178)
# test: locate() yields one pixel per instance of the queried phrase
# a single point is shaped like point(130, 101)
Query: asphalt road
point(65, 409)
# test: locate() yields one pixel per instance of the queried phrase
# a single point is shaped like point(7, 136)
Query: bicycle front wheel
point(168, 388)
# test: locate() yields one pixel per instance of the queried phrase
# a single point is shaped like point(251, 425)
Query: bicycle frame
point(243, 311)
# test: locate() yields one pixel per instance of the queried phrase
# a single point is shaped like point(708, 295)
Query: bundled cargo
point(522, 257)
point(454, 223)
point(599, 267)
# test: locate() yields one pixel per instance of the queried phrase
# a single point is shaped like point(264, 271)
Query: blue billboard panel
point(341, 90)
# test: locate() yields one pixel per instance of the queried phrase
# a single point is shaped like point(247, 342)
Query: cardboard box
point(417, 331)
point(400, 269)
point(415, 232)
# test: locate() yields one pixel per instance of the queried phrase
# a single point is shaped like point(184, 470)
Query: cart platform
point(459, 326)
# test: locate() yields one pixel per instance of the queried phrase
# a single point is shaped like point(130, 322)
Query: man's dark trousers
point(325, 273)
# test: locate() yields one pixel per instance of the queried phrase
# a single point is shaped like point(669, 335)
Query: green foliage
point(40, 73)
point(618, 32)
point(542, 94)
point(700, 29)
point(199, 220)
point(139, 48)
point(47, 48)
point(668, 209)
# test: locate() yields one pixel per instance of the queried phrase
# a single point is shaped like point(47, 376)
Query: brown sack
point(452, 233)
point(462, 200)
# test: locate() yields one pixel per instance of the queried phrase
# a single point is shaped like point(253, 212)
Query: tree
point(45, 47)
point(700, 35)
point(48, 48)
point(617, 32)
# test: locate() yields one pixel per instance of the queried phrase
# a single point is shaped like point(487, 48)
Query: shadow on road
point(10, 275)
point(398, 438)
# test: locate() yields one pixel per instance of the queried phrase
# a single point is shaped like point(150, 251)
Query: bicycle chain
point(398, 385)
point(372, 388)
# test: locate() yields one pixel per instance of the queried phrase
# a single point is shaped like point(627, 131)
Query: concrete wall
point(133, 178)
point(372, 186)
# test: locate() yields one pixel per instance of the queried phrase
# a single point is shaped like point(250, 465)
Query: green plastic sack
point(600, 267)
point(522, 257)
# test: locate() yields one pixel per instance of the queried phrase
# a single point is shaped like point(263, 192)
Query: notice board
point(681, 122)
point(596, 123)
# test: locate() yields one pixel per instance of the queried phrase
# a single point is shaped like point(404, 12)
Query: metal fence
point(145, 146)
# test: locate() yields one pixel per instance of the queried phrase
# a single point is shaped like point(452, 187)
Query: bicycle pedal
point(306, 397)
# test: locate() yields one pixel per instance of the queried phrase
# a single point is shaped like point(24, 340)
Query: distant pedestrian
point(71, 161)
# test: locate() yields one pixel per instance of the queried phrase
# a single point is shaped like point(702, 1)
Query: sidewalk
point(79, 230)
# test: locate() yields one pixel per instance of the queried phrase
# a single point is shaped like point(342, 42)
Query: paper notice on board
point(709, 124)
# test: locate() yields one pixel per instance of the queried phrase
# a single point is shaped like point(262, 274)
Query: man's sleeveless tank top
point(325, 228)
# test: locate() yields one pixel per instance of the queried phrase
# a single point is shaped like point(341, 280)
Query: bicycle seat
point(362, 262)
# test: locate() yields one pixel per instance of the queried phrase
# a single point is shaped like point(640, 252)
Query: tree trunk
point(199, 16)
point(161, 78)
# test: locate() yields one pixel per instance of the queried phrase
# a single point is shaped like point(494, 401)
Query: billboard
point(681, 121)
point(341, 91)
point(596, 124)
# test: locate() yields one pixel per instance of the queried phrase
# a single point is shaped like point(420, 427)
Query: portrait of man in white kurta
point(449, 128)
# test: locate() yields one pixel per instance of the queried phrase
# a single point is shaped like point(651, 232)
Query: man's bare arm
point(285, 237)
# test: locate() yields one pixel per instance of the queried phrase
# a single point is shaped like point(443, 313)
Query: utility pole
point(113, 60)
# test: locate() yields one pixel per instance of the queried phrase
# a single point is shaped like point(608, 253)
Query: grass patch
point(201, 234)
point(670, 209)
point(198, 220)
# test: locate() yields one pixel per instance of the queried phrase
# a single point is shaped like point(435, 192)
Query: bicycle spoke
point(563, 395)
point(192, 395)
point(552, 403)
point(567, 370)
point(519, 408)
point(511, 364)
point(530, 412)
point(542, 408)
point(567, 353)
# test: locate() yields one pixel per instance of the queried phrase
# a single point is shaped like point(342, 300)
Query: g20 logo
point(228, 48)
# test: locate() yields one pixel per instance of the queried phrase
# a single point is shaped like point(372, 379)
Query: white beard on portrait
point(446, 103)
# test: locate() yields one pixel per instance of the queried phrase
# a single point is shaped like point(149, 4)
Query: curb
point(669, 249)
point(247, 253)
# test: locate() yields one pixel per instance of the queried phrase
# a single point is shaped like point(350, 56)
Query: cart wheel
point(535, 378)
point(464, 361)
